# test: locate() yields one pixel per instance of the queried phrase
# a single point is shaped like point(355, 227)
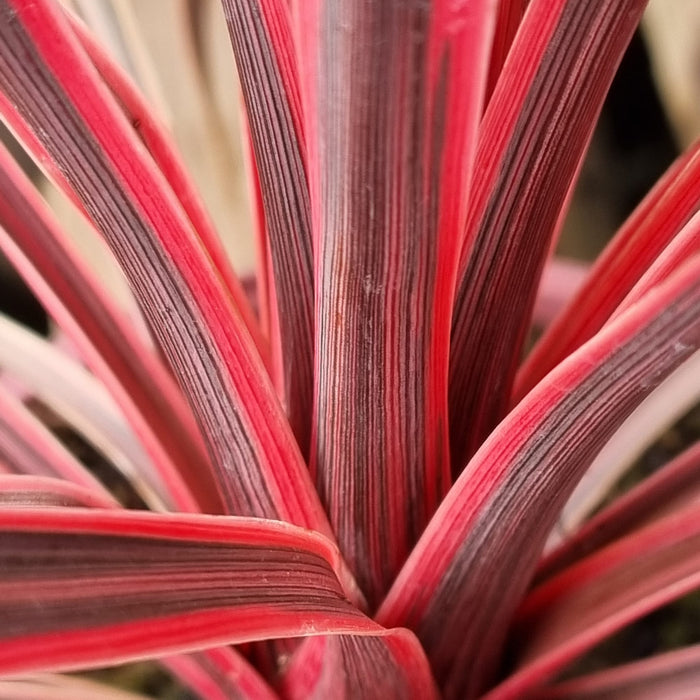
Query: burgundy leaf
point(219, 674)
point(672, 487)
point(83, 587)
point(510, 14)
point(671, 676)
point(583, 605)
point(392, 667)
point(394, 93)
point(262, 41)
point(156, 139)
point(27, 447)
point(470, 568)
point(649, 229)
point(24, 491)
point(52, 93)
point(534, 133)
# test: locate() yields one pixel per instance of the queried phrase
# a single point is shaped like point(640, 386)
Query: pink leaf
point(650, 228)
point(480, 550)
point(671, 488)
point(33, 241)
point(82, 587)
point(671, 676)
point(394, 93)
point(583, 605)
point(24, 491)
point(27, 447)
point(68, 108)
point(534, 133)
point(262, 42)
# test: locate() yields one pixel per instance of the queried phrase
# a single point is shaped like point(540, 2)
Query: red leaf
point(27, 447)
point(84, 587)
point(593, 599)
point(22, 491)
point(533, 136)
point(262, 42)
point(35, 244)
point(671, 676)
point(219, 674)
point(155, 138)
point(53, 91)
point(394, 93)
point(650, 228)
point(510, 14)
point(671, 488)
point(392, 667)
point(480, 550)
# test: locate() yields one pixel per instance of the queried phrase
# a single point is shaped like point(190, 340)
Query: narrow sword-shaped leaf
point(27, 447)
point(51, 90)
point(650, 228)
point(683, 246)
point(470, 568)
point(49, 686)
point(671, 676)
point(42, 254)
point(672, 487)
point(71, 392)
point(156, 139)
point(394, 92)
point(583, 605)
point(84, 588)
point(534, 133)
point(262, 42)
point(667, 404)
point(23, 490)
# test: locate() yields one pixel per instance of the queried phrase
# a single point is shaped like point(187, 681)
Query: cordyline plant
point(357, 485)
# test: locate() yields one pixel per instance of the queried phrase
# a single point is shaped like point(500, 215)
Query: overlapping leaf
point(43, 72)
point(82, 588)
point(393, 94)
point(33, 241)
point(569, 614)
point(648, 230)
point(465, 577)
point(534, 133)
point(262, 42)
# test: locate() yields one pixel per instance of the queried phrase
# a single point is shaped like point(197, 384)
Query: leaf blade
point(532, 139)
point(479, 552)
point(104, 579)
point(385, 241)
point(193, 318)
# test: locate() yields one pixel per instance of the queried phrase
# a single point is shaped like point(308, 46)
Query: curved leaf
point(479, 552)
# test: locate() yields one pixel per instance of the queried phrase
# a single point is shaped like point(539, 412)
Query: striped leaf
point(669, 489)
point(648, 230)
point(261, 35)
point(393, 93)
point(71, 293)
point(535, 131)
point(55, 100)
point(583, 605)
point(480, 550)
point(671, 676)
point(27, 447)
point(82, 588)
